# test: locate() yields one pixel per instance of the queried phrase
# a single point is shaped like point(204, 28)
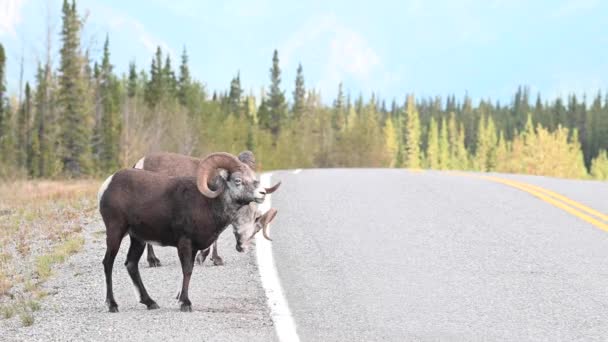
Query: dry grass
point(40, 226)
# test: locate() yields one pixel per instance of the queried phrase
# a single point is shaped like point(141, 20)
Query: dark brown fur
point(171, 211)
point(173, 164)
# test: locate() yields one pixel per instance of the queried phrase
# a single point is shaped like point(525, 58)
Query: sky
point(483, 48)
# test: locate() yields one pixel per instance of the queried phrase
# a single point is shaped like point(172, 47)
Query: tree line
point(83, 119)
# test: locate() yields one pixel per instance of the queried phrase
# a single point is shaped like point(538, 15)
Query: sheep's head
point(239, 182)
point(250, 221)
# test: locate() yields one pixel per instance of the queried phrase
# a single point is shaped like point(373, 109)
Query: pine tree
point(154, 88)
point(2, 86)
point(6, 130)
point(412, 147)
point(110, 119)
point(337, 118)
point(482, 146)
point(234, 96)
point(444, 146)
point(432, 150)
point(45, 162)
point(132, 82)
point(391, 142)
point(184, 82)
point(299, 94)
point(274, 108)
point(74, 124)
point(23, 129)
point(492, 141)
point(169, 80)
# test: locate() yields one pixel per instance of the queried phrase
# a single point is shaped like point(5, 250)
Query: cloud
point(570, 7)
point(346, 53)
point(148, 40)
point(10, 16)
point(119, 21)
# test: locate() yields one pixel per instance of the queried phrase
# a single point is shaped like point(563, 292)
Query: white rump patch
point(140, 164)
point(103, 188)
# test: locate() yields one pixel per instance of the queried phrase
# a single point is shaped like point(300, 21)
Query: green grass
point(7, 311)
point(44, 263)
point(33, 305)
point(27, 318)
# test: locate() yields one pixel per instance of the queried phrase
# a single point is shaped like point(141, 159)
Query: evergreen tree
point(444, 146)
point(391, 142)
point(23, 129)
point(110, 119)
point(337, 118)
point(74, 124)
point(274, 108)
point(412, 147)
point(154, 88)
point(169, 80)
point(132, 83)
point(234, 96)
point(299, 94)
point(6, 133)
point(432, 150)
point(184, 82)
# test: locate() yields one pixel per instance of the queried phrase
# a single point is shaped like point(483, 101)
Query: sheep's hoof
point(114, 308)
point(153, 306)
point(218, 261)
point(186, 308)
point(154, 262)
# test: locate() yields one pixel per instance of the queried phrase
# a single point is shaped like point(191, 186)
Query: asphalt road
point(396, 255)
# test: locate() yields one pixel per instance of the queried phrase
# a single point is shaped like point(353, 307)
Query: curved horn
point(266, 219)
point(273, 188)
point(207, 167)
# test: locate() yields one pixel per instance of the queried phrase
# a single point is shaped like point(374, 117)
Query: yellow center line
point(564, 199)
point(543, 195)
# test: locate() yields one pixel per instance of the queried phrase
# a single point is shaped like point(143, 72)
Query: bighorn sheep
point(172, 164)
point(184, 212)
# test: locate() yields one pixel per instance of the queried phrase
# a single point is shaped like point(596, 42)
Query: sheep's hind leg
point(113, 238)
point(186, 257)
point(215, 257)
point(135, 252)
point(153, 261)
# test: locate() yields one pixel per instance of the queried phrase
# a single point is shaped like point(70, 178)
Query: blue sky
point(485, 48)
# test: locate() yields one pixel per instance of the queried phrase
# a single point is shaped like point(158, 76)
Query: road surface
point(369, 255)
point(394, 255)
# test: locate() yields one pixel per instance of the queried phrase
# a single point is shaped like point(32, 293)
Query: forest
point(82, 119)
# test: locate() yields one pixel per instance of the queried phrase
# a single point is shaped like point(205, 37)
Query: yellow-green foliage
point(432, 149)
point(391, 142)
point(599, 166)
point(540, 152)
point(413, 156)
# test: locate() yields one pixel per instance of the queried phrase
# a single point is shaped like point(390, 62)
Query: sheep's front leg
point(186, 257)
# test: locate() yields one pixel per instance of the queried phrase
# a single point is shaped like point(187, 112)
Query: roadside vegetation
point(40, 226)
point(83, 117)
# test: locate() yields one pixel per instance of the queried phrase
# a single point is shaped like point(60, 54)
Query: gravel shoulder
point(228, 302)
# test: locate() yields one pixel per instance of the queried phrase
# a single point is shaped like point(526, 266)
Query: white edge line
point(284, 324)
point(295, 172)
